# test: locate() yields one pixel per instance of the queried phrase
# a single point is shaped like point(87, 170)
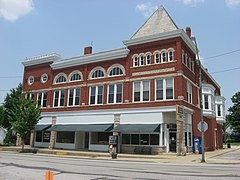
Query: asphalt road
point(33, 166)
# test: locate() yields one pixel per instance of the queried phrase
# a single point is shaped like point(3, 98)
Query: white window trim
point(133, 60)
point(96, 69)
point(146, 55)
point(42, 95)
point(115, 94)
point(189, 92)
point(43, 77)
point(58, 75)
point(29, 80)
point(96, 95)
point(141, 91)
point(159, 53)
point(75, 72)
point(59, 98)
point(168, 51)
point(141, 59)
point(164, 89)
point(114, 66)
point(74, 97)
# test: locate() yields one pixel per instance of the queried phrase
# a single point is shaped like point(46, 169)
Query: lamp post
point(200, 98)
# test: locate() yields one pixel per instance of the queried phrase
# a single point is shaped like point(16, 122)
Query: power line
point(226, 70)
point(219, 55)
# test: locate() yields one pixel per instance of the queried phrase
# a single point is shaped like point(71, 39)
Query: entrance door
point(86, 146)
point(172, 141)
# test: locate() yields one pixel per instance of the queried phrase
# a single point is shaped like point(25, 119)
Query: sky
point(36, 27)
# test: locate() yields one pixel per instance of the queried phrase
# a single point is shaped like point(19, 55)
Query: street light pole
point(200, 99)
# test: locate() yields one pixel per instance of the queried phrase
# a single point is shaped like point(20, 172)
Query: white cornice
point(209, 75)
point(41, 59)
point(91, 58)
point(162, 36)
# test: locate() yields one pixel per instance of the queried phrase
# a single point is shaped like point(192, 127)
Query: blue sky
point(37, 27)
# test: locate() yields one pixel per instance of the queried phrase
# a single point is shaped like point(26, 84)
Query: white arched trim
point(116, 66)
point(98, 68)
point(75, 72)
point(60, 75)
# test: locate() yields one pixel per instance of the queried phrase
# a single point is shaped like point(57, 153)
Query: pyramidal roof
point(158, 22)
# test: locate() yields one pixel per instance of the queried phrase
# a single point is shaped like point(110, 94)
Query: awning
point(42, 127)
point(137, 128)
point(82, 127)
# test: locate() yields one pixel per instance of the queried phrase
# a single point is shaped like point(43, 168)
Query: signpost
point(202, 126)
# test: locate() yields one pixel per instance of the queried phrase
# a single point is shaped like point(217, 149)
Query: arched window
point(60, 78)
point(163, 56)
point(135, 60)
point(116, 70)
point(156, 57)
point(170, 55)
point(75, 76)
point(148, 58)
point(97, 72)
point(141, 59)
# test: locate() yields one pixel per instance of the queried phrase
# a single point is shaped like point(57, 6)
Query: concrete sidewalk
point(190, 158)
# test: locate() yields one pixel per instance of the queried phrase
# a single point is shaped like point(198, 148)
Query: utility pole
point(200, 98)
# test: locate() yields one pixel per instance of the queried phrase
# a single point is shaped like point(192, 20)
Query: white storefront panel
point(141, 118)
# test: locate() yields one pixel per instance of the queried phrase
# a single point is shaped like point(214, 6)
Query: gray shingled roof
point(159, 22)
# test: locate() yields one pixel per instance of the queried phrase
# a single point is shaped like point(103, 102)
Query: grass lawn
point(234, 143)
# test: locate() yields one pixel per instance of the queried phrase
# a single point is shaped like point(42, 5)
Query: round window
point(30, 80)
point(44, 78)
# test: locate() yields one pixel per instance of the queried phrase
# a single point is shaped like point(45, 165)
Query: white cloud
point(191, 2)
point(146, 8)
point(232, 3)
point(11, 10)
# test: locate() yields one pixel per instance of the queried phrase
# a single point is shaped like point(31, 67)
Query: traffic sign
point(202, 126)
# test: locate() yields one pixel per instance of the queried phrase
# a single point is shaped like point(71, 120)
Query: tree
point(23, 116)
point(234, 115)
point(226, 134)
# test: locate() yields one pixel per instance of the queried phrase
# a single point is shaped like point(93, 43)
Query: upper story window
point(96, 95)
point(148, 58)
point(115, 93)
point(164, 89)
point(135, 60)
point(75, 76)
point(156, 58)
point(186, 59)
point(192, 66)
point(141, 60)
point(97, 72)
point(189, 92)
point(163, 56)
point(29, 95)
point(183, 57)
point(44, 78)
point(42, 99)
point(170, 55)
point(58, 98)
point(30, 80)
point(116, 70)
point(60, 78)
point(141, 91)
point(208, 97)
point(74, 97)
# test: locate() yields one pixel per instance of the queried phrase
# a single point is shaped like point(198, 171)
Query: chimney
point(88, 50)
point(188, 31)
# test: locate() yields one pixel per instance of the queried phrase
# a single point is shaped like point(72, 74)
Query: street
point(33, 166)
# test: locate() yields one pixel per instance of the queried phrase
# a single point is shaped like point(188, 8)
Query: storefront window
point(65, 137)
point(154, 139)
point(46, 136)
point(144, 139)
point(135, 139)
point(126, 139)
point(38, 136)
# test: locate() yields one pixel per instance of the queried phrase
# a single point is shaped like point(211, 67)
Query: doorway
point(172, 141)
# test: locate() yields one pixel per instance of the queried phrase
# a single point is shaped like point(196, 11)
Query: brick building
point(132, 92)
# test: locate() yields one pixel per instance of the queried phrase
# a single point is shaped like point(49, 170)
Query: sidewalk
point(212, 157)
